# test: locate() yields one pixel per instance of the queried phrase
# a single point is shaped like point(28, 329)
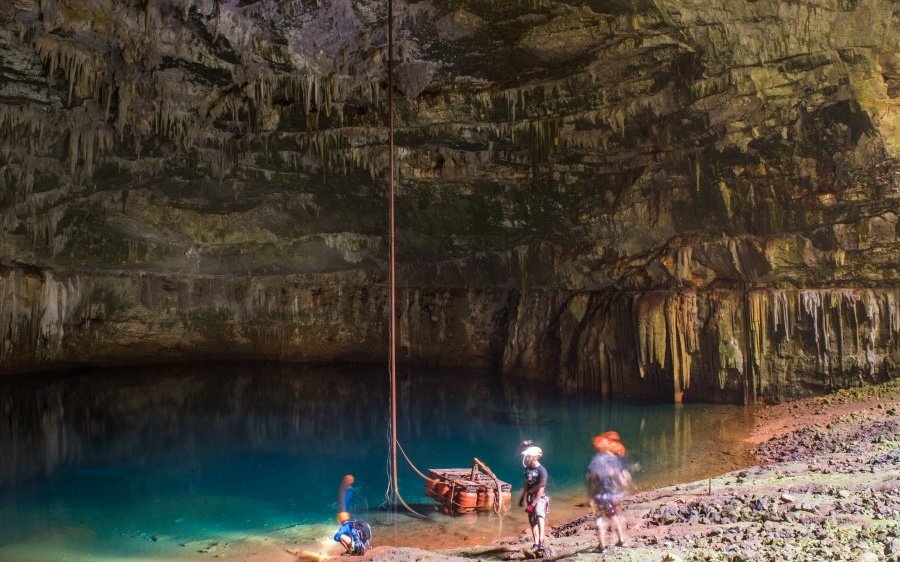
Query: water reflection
point(142, 416)
point(105, 418)
point(192, 451)
point(672, 443)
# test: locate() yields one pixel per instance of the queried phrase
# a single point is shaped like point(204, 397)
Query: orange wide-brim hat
point(608, 442)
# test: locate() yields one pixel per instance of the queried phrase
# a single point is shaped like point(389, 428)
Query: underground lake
point(178, 461)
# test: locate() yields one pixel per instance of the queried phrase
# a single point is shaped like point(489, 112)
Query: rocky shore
point(827, 488)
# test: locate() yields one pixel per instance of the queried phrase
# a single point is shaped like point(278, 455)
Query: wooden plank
point(462, 475)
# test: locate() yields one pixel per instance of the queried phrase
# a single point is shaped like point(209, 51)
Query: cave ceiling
point(575, 144)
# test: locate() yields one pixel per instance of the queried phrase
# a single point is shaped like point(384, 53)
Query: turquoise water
point(118, 464)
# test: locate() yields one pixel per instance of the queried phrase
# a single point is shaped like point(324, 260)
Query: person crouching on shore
point(354, 535)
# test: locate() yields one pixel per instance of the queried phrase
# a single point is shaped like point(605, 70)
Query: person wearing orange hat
point(607, 479)
point(346, 492)
point(354, 535)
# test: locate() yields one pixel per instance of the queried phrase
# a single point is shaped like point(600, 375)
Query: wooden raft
point(463, 490)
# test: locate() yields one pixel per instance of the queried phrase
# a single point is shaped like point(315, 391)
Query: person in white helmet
point(534, 495)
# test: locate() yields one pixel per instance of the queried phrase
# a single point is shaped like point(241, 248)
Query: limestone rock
point(679, 199)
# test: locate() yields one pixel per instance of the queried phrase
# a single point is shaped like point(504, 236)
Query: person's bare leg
point(347, 542)
point(540, 526)
point(619, 528)
point(601, 531)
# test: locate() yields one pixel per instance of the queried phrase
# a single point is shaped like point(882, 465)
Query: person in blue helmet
point(354, 535)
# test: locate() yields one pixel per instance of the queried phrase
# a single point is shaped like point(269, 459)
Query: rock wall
point(700, 345)
point(54, 321)
point(636, 198)
point(711, 345)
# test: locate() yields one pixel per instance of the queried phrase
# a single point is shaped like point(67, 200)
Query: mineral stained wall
point(667, 199)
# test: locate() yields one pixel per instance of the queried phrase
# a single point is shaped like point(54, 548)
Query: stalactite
point(893, 313)
point(682, 313)
point(812, 303)
point(781, 314)
point(652, 331)
point(757, 315)
point(853, 302)
point(731, 355)
point(823, 316)
point(522, 262)
point(8, 314)
point(683, 264)
point(79, 64)
point(872, 310)
point(735, 257)
point(48, 305)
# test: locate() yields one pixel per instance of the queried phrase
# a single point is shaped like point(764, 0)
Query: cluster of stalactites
point(24, 162)
point(167, 104)
point(755, 342)
point(18, 124)
point(111, 102)
point(837, 330)
point(47, 317)
point(36, 310)
point(109, 57)
point(667, 334)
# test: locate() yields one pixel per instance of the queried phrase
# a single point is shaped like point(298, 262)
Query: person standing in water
point(607, 480)
point(534, 496)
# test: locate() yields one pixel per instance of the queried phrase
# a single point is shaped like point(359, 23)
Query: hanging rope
point(391, 280)
point(394, 484)
point(392, 493)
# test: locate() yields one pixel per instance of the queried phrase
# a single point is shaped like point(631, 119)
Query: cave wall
point(676, 199)
point(55, 321)
point(711, 345)
point(719, 345)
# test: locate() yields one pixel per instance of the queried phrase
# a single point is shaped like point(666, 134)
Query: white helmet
point(532, 451)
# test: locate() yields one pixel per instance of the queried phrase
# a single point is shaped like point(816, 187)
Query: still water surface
point(115, 464)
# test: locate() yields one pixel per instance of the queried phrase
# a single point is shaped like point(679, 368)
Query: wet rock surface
point(809, 443)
